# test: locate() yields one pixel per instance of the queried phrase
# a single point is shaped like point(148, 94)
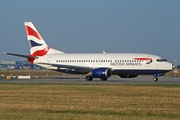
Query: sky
point(91, 26)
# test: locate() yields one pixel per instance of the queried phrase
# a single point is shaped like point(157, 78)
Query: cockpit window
point(161, 60)
point(164, 59)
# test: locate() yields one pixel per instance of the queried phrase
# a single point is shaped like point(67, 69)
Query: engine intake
point(101, 73)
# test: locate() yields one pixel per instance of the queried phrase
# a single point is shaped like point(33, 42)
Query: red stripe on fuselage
point(142, 58)
point(32, 32)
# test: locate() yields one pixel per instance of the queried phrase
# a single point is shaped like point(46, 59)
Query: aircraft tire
point(89, 78)
point(155, 79)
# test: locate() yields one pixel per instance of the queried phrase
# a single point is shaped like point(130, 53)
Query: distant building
point(18, 65)
point(8, 62)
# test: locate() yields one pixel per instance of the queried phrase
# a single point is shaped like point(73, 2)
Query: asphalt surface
point(112, 80)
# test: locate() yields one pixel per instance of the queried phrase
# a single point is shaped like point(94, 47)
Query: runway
point(112, 80)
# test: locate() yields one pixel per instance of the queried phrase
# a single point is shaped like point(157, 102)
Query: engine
point(101, 73)
point(128, 75)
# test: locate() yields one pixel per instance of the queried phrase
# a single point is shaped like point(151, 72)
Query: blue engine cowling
point(101, 73)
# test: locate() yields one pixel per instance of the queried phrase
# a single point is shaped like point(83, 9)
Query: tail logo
point(31, 32)
point(33, 44)
point(41, 52)
point(38, 46)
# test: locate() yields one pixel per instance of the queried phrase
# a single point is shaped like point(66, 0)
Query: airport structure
point(17, 65)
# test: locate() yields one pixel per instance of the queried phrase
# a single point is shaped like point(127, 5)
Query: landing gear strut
point(155, 79)
point(89, 78)
point(103, 79)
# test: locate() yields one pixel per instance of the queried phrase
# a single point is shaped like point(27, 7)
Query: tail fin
point(38, 46)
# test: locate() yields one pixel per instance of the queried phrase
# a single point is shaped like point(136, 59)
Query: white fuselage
point(115, 61)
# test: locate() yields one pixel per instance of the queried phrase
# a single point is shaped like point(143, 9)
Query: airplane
point(93, 65)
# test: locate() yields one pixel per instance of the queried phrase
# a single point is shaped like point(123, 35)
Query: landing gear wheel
point(89, 78)
point(103, 79)
point(155, 79)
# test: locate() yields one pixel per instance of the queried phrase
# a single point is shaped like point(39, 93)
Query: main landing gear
point(155, 79)
point(90, 78)
point(103, 79)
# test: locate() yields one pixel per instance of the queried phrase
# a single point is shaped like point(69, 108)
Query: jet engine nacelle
point(101, 73)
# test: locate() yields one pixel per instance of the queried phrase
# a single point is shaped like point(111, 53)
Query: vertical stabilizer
point(38, 46)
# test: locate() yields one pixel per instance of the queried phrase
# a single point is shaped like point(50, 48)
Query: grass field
point(79, 102)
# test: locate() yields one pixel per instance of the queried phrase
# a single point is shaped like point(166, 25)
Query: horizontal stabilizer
point(24, 56)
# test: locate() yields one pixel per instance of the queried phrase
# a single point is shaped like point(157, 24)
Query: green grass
point(79, 102)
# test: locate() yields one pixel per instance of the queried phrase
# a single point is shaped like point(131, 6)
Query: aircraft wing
point(69, 66)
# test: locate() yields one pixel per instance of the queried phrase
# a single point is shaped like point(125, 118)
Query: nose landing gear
point(155, 79)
